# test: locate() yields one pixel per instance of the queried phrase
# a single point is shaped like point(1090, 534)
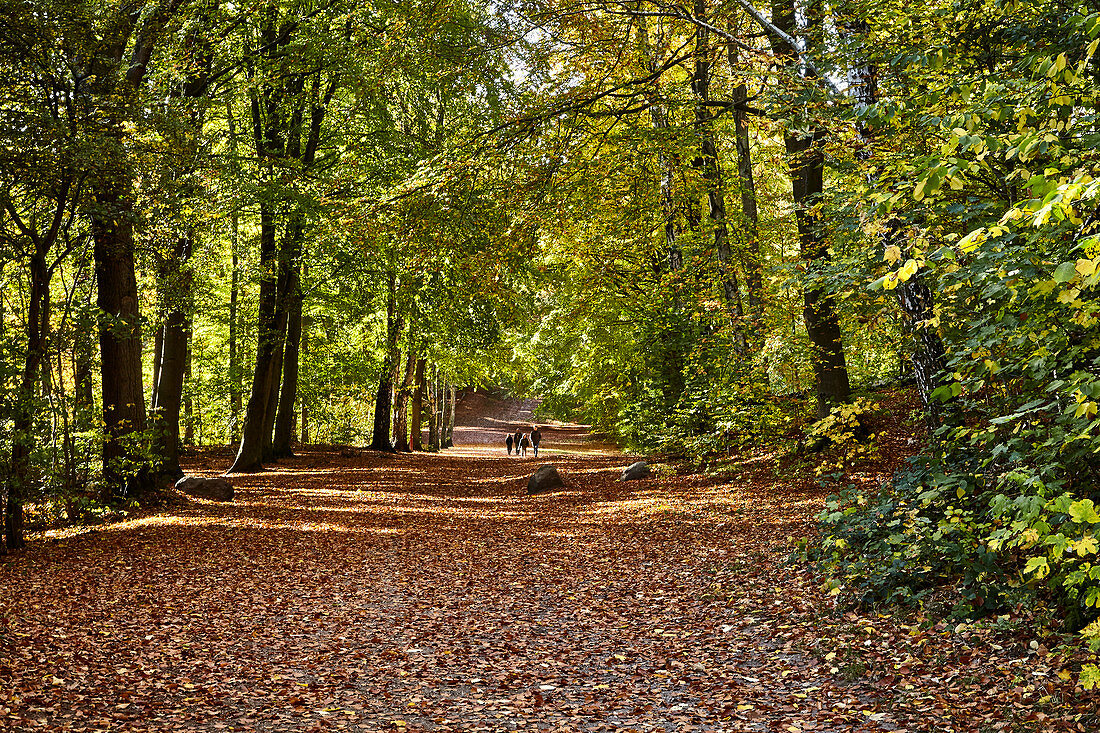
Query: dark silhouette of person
point(508, 442)
point(536, 438)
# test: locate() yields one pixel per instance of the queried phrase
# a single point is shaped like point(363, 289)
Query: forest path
point(351, 590)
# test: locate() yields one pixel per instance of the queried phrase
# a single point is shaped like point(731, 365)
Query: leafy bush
point(902, 544)
point(843, 428)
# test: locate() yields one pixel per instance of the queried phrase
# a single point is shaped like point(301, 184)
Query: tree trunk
point(929, 358)
point(289, 256)
point(235, 385)
point(710, 168)
point(125, 471)
point(38, 320)
point(279, 332)
point(158, 351)
point(401, 406)
point(286, 289)
point(670, 339)
point(291, 259)
point(807, 165)
point(284, 421)
point(235, 372)
point(112, 77)
point(819, 309)
point(384, 398)
point(441, 408)
point(189, 411)
point(449, 432)
point(753, 264)
point(250, 453)
point(916, 300)
point(307, 322)
point(415, 419)
point(433, 411)
point(174, 357)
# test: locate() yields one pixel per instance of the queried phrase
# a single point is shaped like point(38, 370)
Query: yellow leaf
point(1068, 296)
point(973, 240)
point(908, 270)
point(1086, 546)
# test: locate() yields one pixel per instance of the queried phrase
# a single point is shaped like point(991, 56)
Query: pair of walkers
point(520, 441)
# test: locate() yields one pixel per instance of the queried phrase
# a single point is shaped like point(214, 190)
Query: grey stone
point(635, 471)
point(215, 489)
point(545, 479)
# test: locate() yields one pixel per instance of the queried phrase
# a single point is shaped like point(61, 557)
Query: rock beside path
point(545, 479)
point(635, 471)
point(215, 489)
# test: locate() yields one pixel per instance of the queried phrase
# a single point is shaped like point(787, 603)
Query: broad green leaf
point(1065, 272)
point(1039, 566)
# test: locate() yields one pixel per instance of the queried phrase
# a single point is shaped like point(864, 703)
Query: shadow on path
point(351, 590)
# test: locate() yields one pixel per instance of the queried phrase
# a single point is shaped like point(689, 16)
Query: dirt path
point(366, 592)
point(483, 420)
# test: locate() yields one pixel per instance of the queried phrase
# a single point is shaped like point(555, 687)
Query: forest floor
point(352, 590)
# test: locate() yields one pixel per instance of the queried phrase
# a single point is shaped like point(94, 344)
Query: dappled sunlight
point(231, 524)
point(341, 575)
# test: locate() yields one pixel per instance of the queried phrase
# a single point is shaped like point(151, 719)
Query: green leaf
point(1065, 272)
point(1039, 566)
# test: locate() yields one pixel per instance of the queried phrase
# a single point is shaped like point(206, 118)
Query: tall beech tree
point(269, 115)
point(172, 356)
point(401, 401)
point(287, 113)
point(806, 159)
point(709, 167)
point(383, 400)
point(110, 79)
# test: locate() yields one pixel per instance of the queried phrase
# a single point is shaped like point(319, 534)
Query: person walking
point(536, 438)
